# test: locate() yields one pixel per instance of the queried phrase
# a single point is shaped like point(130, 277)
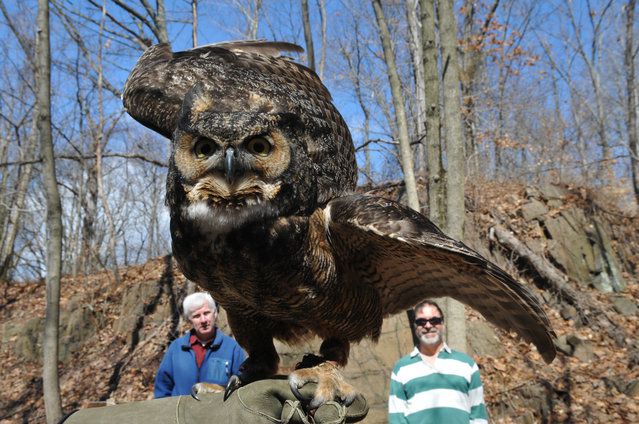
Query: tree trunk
point(88, 258)
point(629, 63)
point(100, 138)
point(50, 382)
point(417, 54)
point(405, 152)
point(11, 210)
point(194, 21)
point(455, 209)
point(605, 171)
point(160, 21)
point(253, 19)
point(308, 35)
point(455, 176)
point(473, 55)
point(436, 187)
point(471, 59)
point(561, 160)
point(11, 223)
point(322, 9)
point(355, 75)
point(555, 279)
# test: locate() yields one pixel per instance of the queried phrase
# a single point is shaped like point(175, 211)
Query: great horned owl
point(259, 188)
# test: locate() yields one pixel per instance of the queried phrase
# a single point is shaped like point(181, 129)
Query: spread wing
point(407, 258)
point(157, 85)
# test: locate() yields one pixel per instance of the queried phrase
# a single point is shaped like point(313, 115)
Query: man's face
point(428, 334)
point(203, 321)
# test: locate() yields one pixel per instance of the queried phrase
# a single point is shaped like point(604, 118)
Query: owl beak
point(230, 166)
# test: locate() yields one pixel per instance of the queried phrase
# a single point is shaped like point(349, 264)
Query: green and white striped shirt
point(450, 391)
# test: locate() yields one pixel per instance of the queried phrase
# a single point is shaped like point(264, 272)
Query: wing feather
point(262, 47)
point(407, 259)
point(157, 85)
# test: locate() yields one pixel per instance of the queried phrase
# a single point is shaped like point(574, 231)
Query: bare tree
point(321, 4)
point(355, 74)
point(576, 99)
point(100, 139)
point(250, 9)
point(50, 383)
point(436, 186)
point(142, 18)
point(629, 63)
point(308, 35)
point(14, 183)
point(455, 157)
point(405, 151)
point(194, 21)
point(417, 54)
point(590, 59)
point(116, 21)
point(472, 59)
point(10, 214)
point(151, 18)
point(507, 56)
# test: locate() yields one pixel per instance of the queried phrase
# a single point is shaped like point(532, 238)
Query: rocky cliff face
point(573, 234)
point(113, 336)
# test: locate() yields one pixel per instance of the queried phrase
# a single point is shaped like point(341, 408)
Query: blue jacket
point(178, 371)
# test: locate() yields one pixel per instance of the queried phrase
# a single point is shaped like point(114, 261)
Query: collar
point(190, 338)
point(445, 348)
point(194, 340)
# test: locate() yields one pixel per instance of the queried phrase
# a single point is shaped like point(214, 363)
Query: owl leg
point(262, 361)
point(324, 371)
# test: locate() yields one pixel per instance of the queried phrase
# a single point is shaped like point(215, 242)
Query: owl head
point(238, 161)
point(254, 136)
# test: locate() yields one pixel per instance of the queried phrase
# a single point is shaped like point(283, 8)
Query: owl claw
point(296, 391)
point(200, 388)
point(330, 385)
point(194, 393)
point(233, 384)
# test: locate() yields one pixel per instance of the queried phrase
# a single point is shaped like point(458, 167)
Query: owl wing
point(157, 85)
point(407, 259)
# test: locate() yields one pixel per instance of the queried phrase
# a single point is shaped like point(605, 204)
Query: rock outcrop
point(113, 336)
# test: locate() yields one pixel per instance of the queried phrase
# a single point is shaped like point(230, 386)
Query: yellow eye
point(204, 148)
point(259, 146)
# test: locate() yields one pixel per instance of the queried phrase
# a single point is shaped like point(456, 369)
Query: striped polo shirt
point(449, 391)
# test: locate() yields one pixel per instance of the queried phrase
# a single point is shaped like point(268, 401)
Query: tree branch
point(79, 158)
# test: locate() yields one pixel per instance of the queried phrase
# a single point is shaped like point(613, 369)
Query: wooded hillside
point(113, 335)
point(511, 124)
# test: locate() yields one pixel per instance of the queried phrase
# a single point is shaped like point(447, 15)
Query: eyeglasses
point(421, 322)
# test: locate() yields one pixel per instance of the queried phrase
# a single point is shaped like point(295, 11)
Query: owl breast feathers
point(259, 188)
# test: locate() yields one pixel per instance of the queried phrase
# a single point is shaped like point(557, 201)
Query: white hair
point(196, 301)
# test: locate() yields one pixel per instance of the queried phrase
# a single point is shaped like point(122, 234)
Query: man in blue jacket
point(202, 355)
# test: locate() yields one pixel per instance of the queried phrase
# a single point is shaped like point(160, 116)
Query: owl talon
point(194, 393)
point(199, 388)
point(296, 391)
point(330, 385)
point(233, 384)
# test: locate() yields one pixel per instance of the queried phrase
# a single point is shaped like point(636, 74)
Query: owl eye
point(259, 146)
point(203, 148)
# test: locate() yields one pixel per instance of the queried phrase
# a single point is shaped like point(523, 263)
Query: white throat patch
point(211, 222)
point(214, 221)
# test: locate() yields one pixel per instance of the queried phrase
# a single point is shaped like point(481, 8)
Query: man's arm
point(478, 412)
point(397, 401)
